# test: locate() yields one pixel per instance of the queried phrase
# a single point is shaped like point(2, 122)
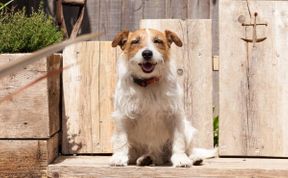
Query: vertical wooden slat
point(154, 9)
point(93, 54)
point(253, 80)
point(110, 18)
point(78, 84)
point(214, 16)
point(177, 9)
point(199, 9)
point(131, 14)
point(107, 75)
point(93, 13)
point(198, 80)
point(88, 104)
point(195, 80)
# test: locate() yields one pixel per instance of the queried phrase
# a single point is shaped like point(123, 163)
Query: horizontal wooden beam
point(97, 166)
point(27, 158)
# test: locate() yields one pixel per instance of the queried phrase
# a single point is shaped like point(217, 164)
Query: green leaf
point(21, 33)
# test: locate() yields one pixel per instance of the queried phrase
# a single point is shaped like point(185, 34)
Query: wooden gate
point(253, 78)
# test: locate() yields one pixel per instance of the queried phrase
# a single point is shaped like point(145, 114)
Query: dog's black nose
point(147, 54)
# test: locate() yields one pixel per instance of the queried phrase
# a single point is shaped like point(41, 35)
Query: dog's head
point(146, 50)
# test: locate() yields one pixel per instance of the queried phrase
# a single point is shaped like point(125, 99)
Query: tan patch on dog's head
point(132, 42)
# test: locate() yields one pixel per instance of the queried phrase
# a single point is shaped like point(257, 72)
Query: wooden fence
point(253, 79)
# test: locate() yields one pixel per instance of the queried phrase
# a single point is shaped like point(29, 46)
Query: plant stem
point(2, 7)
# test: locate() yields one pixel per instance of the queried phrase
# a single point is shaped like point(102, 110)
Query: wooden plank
point(154, 9)
point(214, 15)
point(253, 81)
point(97, 166)
point(91, 18)
point(111, 16)
point(107, 80)
point(88, 90)
point(196, 81)
point(78, 83)
point(54, 93)
point(33, 113)
point(198, 9)
point(27, 158)
point(177, 9)
point(131, 14)
point(109, 19)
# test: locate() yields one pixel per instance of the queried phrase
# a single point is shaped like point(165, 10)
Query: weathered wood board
point(88, 97)
point(34, 112)
point(27, 158)
point(254, 80)
point(194, 67)
point(111, 16)
point(98, 167)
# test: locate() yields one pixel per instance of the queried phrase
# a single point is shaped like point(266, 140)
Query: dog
point(150, 123)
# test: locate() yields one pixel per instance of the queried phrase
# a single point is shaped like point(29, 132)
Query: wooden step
point(97, 166)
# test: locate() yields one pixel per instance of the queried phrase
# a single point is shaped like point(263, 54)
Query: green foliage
point(22, 33)
point(216, 130)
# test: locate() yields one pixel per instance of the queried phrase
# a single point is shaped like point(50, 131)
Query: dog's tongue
point(147, 67)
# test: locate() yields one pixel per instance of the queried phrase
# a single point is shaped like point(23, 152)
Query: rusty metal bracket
point(254, 39)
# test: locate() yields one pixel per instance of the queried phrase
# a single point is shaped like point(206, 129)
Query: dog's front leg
point(179, 157)
point(120, 147)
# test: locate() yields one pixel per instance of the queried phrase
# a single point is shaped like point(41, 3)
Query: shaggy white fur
point(151, 126)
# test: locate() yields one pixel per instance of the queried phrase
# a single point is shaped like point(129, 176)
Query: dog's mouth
point(147, 67)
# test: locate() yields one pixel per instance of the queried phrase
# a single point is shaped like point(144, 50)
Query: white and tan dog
point(151, 127)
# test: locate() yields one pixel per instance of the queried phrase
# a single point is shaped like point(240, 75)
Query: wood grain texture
point(27, 158)
point(198, 9)
point(253, 81)
point(111, 16)
point(97, 166)
point(131, 14)
point(88, 104)
point(33, 113)
point(194, 68)
point(177, 9)
point(107, 81)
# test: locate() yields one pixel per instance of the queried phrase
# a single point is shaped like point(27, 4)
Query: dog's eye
point(158, 41)
point(136, 41)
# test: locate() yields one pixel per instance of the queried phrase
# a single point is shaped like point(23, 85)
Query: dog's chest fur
point(149, 112)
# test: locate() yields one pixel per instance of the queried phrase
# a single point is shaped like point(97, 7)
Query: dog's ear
point(172, 37)
point(120, 39)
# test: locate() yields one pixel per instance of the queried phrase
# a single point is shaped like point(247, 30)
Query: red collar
point(145, 82)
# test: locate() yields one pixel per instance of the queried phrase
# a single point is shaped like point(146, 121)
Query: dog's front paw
point(119, 160)
point(181, 160)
